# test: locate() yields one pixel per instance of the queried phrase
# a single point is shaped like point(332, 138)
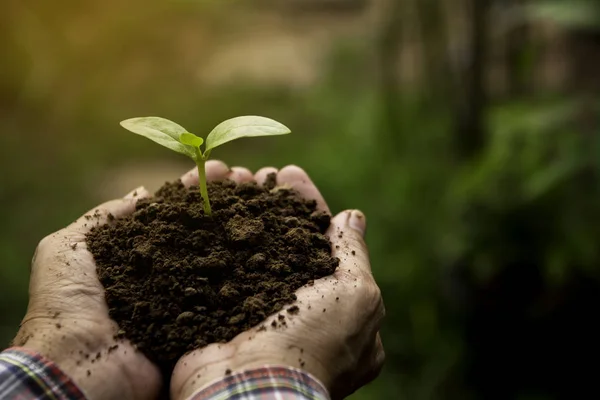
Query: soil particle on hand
point(293, 310)
point(176, 280)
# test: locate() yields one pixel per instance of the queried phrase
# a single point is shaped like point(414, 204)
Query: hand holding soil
point(140, 284)
point(331, 331)
point(67, 318)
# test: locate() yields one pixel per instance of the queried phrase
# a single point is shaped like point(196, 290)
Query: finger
point(368, 367)
point(107, 211)
point(215, 171)
point(380, 356)
point(299, 180)
point(240, 175)
point(377, 359)
point(373, 361)
point(261, 175)
point(346, 234)
point(137, 193)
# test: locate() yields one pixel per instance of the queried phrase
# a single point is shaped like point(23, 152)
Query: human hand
point(67, 318)
point(334, 336)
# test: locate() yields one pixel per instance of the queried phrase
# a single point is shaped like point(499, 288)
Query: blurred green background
point(466, 130)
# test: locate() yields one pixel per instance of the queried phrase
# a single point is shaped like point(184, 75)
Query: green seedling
point(177, 138)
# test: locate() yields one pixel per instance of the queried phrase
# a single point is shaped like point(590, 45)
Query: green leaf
point(190, 139)
point(248, 126)
point(566, 13)
point(161, 131)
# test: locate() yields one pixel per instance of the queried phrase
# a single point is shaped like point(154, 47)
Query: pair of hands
point(67, 318)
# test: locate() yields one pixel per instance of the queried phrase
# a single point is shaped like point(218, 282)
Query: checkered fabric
point(265, 383)
point(25, 375)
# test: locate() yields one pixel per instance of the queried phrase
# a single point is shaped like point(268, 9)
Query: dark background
point(466, 130)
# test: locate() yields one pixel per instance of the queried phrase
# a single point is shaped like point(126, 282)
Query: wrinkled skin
point(335, 335)
point(67, 318)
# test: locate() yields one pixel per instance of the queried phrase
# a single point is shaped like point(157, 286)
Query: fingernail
point(358, 221)
point(138, 192)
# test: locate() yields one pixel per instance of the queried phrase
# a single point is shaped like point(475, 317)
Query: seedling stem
point(200, 161)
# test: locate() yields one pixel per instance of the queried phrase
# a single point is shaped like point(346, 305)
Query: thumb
point(346, 234)
point(107, 211)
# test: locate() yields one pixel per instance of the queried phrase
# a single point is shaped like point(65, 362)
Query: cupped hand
point(334, 336)
point(67, 318)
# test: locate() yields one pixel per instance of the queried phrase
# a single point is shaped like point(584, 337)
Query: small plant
point(177, 138)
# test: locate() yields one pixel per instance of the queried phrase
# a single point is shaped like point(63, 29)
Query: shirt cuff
point(28, 375)
point(268, 382)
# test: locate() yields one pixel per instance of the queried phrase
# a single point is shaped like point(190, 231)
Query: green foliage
point(566, 13)
point(427, 212)
point(177, 138)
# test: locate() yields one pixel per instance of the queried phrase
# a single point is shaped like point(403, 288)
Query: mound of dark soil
point(177, 280)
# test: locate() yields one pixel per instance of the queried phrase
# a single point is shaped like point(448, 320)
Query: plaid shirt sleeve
point(26, 375)
point(265, 383)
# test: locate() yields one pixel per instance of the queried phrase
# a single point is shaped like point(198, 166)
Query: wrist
point(274, 373)
point(201, 368)
point(267, 381)
point(90, 362)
